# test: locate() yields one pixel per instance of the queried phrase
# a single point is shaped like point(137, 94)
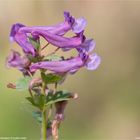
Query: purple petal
point(94, 62)
point(79, 25)
point(58, 66)
point(22, 40)
point(59, 29)
point(14, 30)
point(87, 46)
point(21, 63)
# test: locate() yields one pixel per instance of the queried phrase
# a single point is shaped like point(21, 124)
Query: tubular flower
point(59, 29)
point(15, 60)
point(59, 41)
point(58, 66)
point(70, 23)
point(68, 66)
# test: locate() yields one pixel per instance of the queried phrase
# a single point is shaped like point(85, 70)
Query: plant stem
point(45, 46)
point(44, 126)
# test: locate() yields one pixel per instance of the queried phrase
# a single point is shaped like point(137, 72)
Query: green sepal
point(23, 83)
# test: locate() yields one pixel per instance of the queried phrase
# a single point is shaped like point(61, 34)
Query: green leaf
point(37, 115)
point(51, 78)
point(23, 83)
point(30, 99)
point(37, 100)
point(53, 57)
point(62, 95)
point(35, 43)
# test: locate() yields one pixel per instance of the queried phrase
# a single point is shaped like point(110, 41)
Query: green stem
point(44, 126)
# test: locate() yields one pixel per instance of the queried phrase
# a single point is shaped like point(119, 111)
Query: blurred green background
point(109, 98)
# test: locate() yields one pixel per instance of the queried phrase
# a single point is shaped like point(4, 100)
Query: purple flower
point(59, 29)
point(70, 23)
point(15, 60)
point(59, 66)
point(59, 41)
point(72, 65)
point(22, 39)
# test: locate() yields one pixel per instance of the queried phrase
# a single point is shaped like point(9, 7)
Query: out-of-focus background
point(109, 98)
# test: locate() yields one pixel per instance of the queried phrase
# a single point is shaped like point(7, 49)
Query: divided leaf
point(23, 83)
point(57, 97)
point(41, 101)
point(37, 100)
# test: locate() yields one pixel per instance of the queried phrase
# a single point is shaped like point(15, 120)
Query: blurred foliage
point(108, 104)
